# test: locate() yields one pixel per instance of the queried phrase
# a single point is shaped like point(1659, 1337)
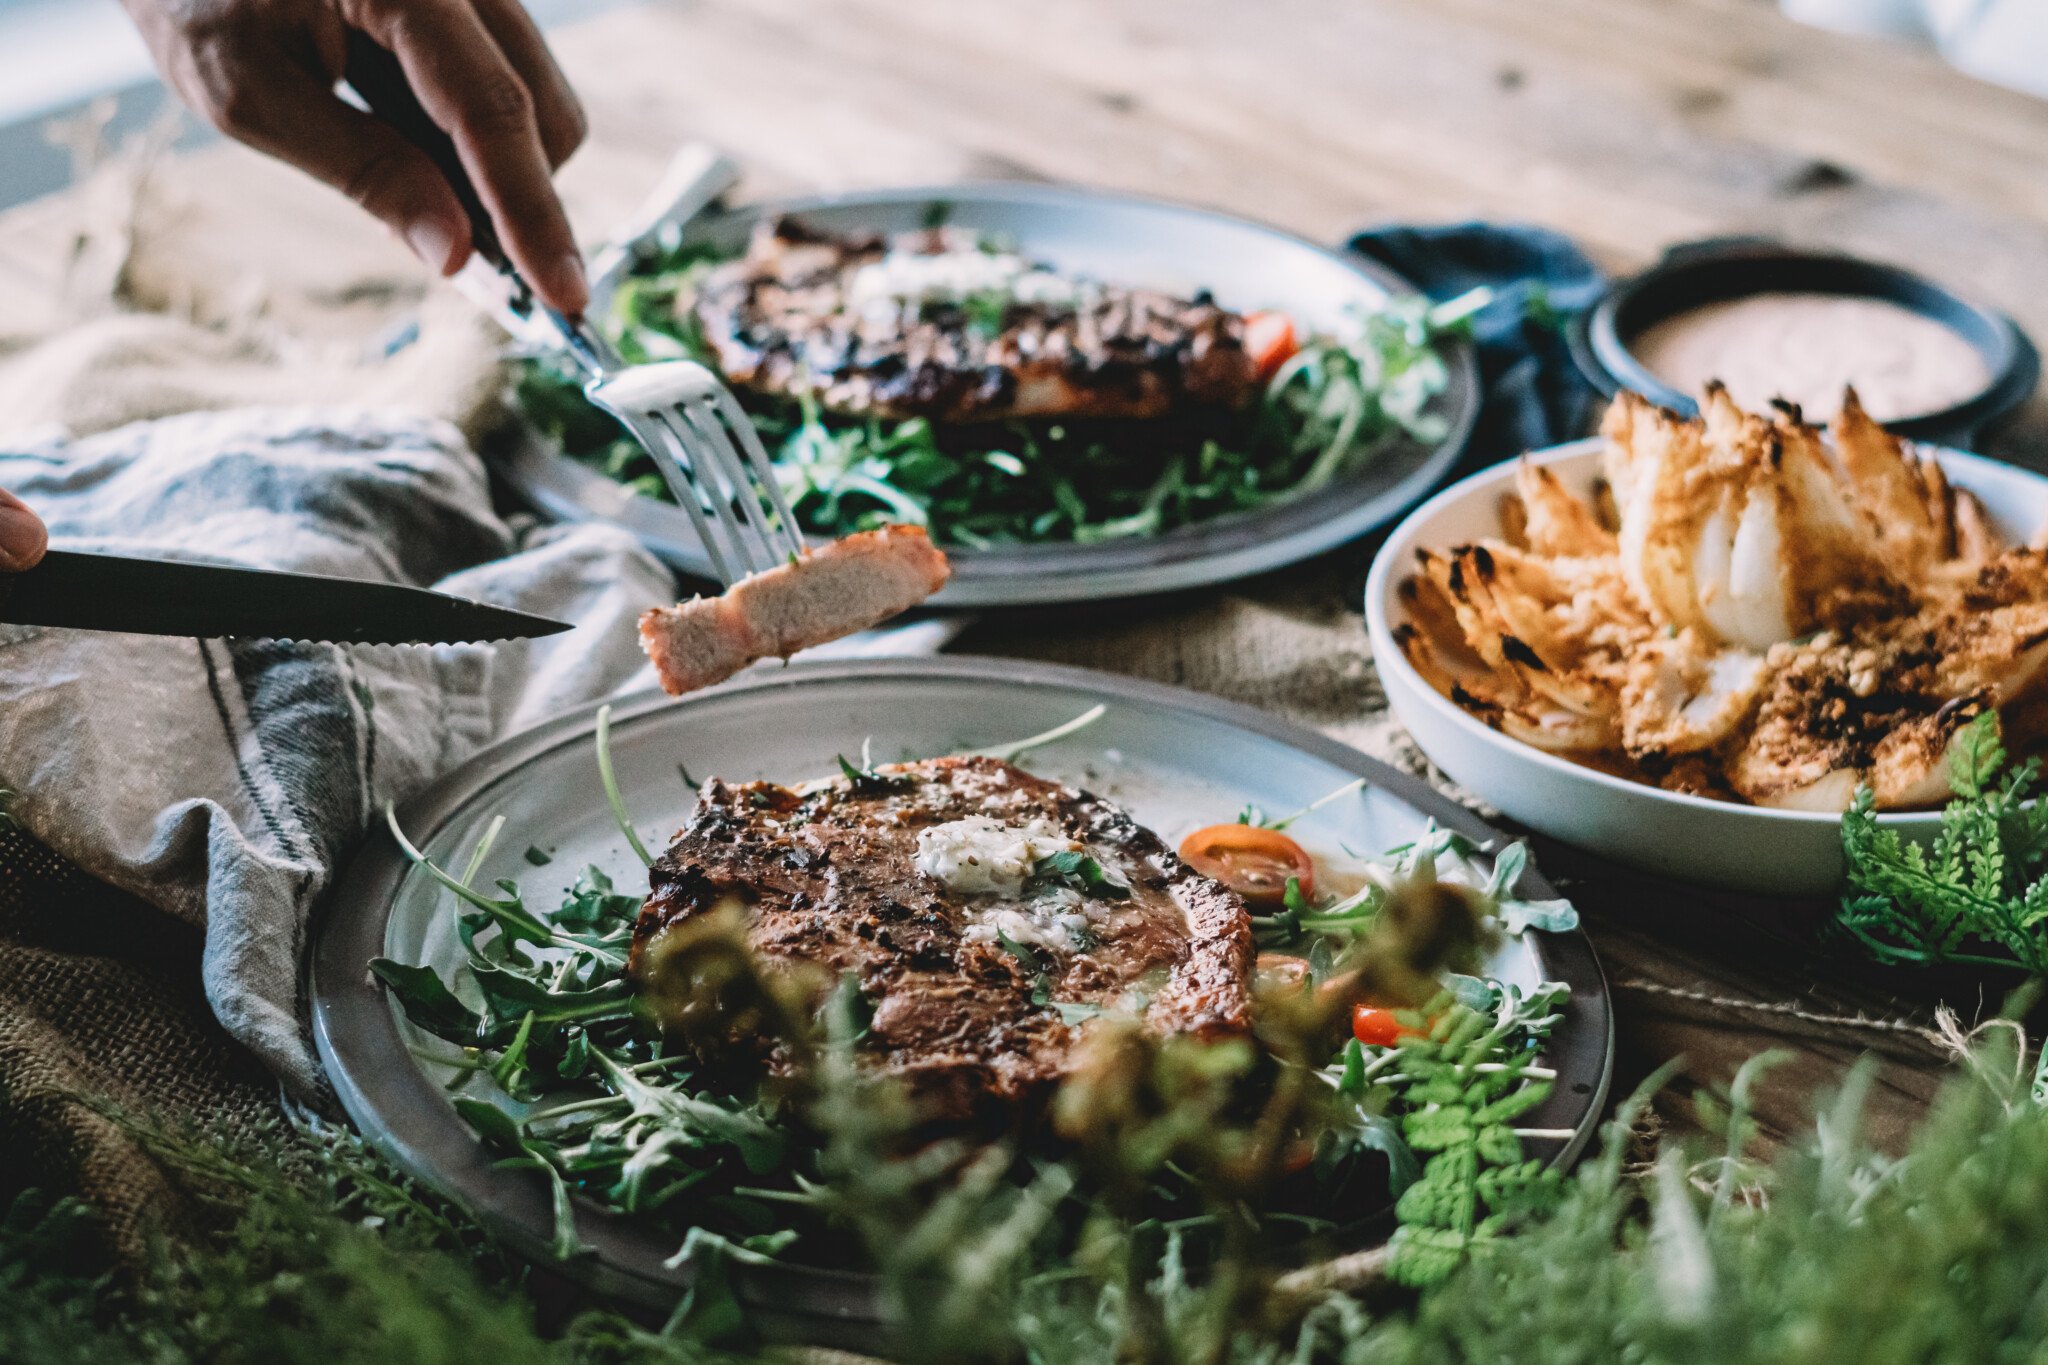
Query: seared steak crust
point(783, 319)
point(830, 876)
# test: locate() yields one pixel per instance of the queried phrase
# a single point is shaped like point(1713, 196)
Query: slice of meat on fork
point(847, 586)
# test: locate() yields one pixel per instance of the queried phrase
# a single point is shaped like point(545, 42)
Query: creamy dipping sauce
point(1805, 348)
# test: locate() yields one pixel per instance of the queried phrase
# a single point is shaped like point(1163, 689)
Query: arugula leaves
point(1074, 869)
point(428, 1002)
point(1978, 893)
point(1555, 916)
point(866, 781)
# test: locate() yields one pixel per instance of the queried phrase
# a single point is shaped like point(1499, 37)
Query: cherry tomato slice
point(1376, 1027)
point(1269, 340)
point(1255, 863)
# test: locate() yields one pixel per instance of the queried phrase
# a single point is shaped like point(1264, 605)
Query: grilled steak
point(931, 324)
point(970, 899)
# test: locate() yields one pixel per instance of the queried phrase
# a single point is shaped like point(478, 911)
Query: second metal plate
point(1148, 242)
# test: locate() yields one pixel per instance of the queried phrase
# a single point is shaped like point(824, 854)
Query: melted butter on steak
point(841, 876)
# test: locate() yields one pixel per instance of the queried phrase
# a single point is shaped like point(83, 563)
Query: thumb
point(22, 535)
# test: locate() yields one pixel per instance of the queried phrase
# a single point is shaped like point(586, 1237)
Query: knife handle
point(376, 75)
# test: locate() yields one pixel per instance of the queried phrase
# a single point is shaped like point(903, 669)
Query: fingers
point(23, 538)
point(264, 96)
point(470, 87)
point(556, 109)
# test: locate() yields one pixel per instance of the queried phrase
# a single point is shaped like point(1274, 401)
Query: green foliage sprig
point(1978, 894)
point(1475, 1183)
point(1838, 1250)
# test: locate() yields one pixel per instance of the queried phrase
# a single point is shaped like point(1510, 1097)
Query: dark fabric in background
point(1534, 394)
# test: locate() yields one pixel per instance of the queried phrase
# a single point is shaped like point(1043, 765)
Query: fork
point(699, 437)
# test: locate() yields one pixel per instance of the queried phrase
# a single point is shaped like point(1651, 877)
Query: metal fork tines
point(712, 459)
point(694, 429)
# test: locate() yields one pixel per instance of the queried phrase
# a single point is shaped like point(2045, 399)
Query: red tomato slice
point(1269, 340)
point(1255, 863)
point(1376, 1027)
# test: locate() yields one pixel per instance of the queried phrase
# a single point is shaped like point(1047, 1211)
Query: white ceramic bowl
point(1718, 843)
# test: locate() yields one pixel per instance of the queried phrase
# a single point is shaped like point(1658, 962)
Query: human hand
point(23, 537)
point(264, 73)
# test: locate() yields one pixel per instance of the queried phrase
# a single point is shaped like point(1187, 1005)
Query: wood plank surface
point(1630, 124)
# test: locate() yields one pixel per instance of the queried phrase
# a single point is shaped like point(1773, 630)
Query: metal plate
point(1175, 759)
point(1148, 242)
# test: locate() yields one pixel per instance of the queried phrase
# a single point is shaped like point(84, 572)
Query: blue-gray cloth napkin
point(1534, 394)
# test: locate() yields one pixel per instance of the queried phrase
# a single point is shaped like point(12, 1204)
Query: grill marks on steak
point(783, 320)
point(829, 876)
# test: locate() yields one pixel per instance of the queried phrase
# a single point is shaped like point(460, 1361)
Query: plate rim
point(405, 1114)
point(1255, 542)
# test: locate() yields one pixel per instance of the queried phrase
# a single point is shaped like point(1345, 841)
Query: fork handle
point(375, 74)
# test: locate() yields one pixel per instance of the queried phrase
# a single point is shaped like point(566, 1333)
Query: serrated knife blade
point(207, 601)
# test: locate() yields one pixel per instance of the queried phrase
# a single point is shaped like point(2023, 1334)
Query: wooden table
point(1630, 124)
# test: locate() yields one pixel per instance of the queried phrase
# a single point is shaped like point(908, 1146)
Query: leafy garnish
point(986, 312)
point(427, 1002)
point(1978, 893)
point(1072, 1013)
point(510, 912)
point(592, 903)
point(611, 786)
point(868, 782)
point(1036, 967)
point(1554, 916)
point(1356, 785)
point(1010, 753)
point(1072, 868)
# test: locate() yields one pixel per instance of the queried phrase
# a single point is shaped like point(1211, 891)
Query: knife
point(207, 601)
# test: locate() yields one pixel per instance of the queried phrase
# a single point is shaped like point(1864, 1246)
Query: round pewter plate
point(1143, 242)
point(1176, 760)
